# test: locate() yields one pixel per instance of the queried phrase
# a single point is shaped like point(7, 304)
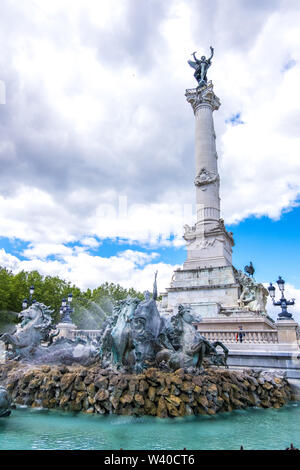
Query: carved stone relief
point(205, 177)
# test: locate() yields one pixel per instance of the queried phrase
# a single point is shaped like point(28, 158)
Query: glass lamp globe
point(281, 283)
point(271, 290)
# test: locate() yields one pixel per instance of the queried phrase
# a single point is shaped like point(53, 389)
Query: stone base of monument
point(233, 320)
point(223, 297)
point(66, 330)
point(208, 289)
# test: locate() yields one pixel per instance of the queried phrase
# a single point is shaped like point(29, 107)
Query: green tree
point(91, 307)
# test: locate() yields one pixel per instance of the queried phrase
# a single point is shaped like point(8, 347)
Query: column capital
point(202, 97)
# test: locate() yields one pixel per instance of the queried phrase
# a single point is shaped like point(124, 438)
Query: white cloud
point(9, 261)
point(43, 250)
point(261, 152)
point(129, 269)
point(90, 242)
point(34, 216)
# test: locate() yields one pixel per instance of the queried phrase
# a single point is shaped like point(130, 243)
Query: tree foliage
point(90, 307)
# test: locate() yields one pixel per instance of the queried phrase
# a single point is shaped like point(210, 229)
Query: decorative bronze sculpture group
point(134, 338)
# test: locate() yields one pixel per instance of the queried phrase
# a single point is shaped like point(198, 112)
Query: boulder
point(162, 410)
point(101, 395)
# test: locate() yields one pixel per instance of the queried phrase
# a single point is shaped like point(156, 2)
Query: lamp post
point(26, 303)
point(66, 310)
point(283, 303)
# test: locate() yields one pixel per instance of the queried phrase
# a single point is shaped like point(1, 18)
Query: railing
point(92, 334)
point(250, 336)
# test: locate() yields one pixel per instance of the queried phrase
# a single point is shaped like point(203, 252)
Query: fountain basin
point(254, 428)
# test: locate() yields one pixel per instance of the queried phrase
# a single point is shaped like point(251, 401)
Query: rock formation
point(153, 392)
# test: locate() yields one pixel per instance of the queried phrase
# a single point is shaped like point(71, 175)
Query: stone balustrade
point(250, 336)
point(92, 334)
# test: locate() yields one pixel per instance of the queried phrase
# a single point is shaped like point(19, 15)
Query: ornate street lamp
point(66, 310)
point(283, 303)
point(26, 303)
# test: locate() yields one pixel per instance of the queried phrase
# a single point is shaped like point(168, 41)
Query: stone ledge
point(209, 269)
point(293, 354)
point(199, 287)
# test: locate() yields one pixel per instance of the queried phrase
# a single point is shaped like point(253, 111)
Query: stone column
point(208, 242)
point(204, 102)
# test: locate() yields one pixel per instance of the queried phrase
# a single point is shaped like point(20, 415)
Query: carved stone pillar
point(287, 332)
point(208, 242)
point(204, 102)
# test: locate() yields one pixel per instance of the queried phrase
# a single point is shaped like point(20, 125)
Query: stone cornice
point(191, 233)
point(206, 287)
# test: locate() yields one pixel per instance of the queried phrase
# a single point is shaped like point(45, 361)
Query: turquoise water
point(255, 428)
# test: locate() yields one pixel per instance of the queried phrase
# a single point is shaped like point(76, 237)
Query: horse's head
point(37, 314)
point(125, 310)
point(28, 315)
point(128, 306)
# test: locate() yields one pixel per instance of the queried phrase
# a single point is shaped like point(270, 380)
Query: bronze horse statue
point(188, 347)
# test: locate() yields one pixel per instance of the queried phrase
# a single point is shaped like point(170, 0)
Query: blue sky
point(97, 139)
point(271, 245)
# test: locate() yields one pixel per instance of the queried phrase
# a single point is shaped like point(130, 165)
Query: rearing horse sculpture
point(188, 346)
point(33, 340)
point(34, 328)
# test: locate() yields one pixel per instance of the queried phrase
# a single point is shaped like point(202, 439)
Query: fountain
point(145, 361)
point(135, 338)
point(141, 363)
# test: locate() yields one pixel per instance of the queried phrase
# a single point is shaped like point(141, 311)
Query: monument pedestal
point(208, 247)
point(214, 295)
point(208, 289)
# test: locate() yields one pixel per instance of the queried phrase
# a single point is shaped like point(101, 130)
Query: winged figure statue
point(201, 66)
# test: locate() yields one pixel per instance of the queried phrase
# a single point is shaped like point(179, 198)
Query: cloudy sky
point(97, 140)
